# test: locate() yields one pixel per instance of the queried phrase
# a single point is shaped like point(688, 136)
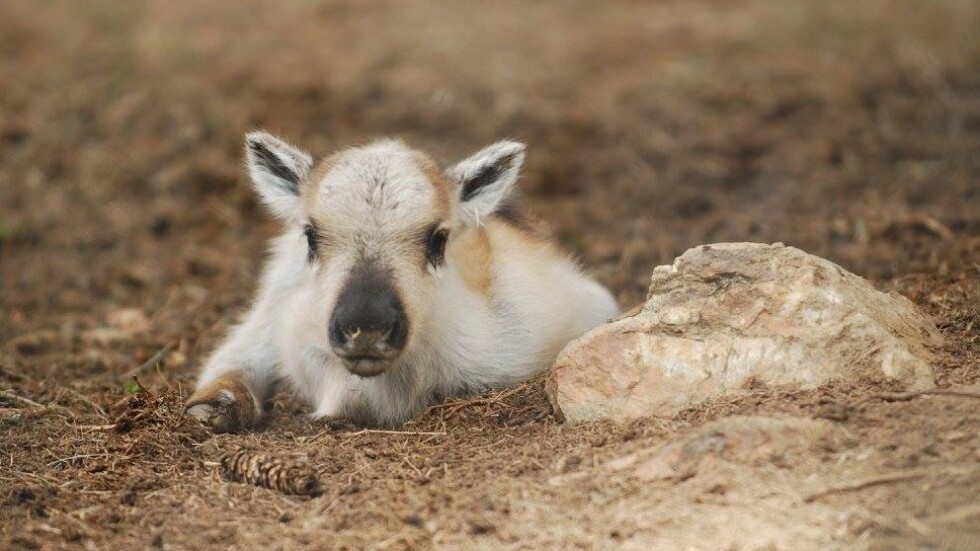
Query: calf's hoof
point(225, 405)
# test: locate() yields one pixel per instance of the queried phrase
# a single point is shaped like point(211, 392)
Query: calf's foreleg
point(239, 378)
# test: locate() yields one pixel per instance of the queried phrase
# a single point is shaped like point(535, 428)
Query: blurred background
point(850, 129)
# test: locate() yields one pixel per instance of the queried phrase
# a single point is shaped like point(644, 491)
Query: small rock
point(131, 320)
point(35, 342)
point(728, 315)
point(137, 275)
point(480, 527)
point(128, 497)
point(955, 436)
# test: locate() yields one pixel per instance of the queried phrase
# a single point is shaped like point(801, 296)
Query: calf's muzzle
point(368, 328)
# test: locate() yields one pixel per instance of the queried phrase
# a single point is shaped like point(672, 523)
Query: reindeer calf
point(393, 285)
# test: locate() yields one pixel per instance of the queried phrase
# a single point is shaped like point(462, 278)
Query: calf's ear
point(277, 170)
point(485, 180)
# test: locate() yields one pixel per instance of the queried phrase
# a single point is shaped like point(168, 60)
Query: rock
point(10, 419)
point(105, 336)
point(122, 325)
point(175, 359)
point(726, 316)
point(737, 439)
point(130, 320)
point(35, 342)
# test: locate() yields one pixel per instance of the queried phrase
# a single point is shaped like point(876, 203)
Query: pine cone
point(285, 474)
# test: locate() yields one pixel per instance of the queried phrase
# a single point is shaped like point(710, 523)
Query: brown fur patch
point(536, 242)
point(222, 414)
point(318, 173)
point(442, 185)
point(472, 254)
point(512, 214)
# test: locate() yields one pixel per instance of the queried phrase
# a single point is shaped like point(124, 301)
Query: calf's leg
point(228, 403)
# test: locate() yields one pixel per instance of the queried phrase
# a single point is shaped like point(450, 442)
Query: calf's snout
point(368, 328)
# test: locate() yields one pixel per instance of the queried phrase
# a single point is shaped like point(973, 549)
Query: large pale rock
point(728, 315)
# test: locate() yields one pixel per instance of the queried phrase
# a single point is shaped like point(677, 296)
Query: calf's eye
point(435, 251)
point(310, 233)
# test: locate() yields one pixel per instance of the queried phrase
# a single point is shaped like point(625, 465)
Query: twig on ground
point(20, 399)
point(918, 526)
point(922, 221)
point(864, 483)
point(410, 464)
point(452, 406)
point(81, 456)
point(400, 432)
point(143, 389)
point(906, 396)
point(957, 515)
point(150, 363)
point(97, 427)
point(886, 479)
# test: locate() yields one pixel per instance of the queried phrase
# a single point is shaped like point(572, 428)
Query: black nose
point(368, 320)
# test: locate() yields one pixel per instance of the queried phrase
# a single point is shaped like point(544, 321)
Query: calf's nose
point(368, 321)
point(356, 339)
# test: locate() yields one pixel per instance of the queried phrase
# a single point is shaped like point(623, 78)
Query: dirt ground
point(848, 129)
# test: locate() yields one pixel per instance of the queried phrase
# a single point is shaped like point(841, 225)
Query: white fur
point(461, 340)
point(273, 190)
point(486, 202)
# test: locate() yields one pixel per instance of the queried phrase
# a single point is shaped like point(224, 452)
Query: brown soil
point(848, 129)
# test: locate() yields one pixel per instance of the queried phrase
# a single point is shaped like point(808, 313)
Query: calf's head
point(373, 224)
